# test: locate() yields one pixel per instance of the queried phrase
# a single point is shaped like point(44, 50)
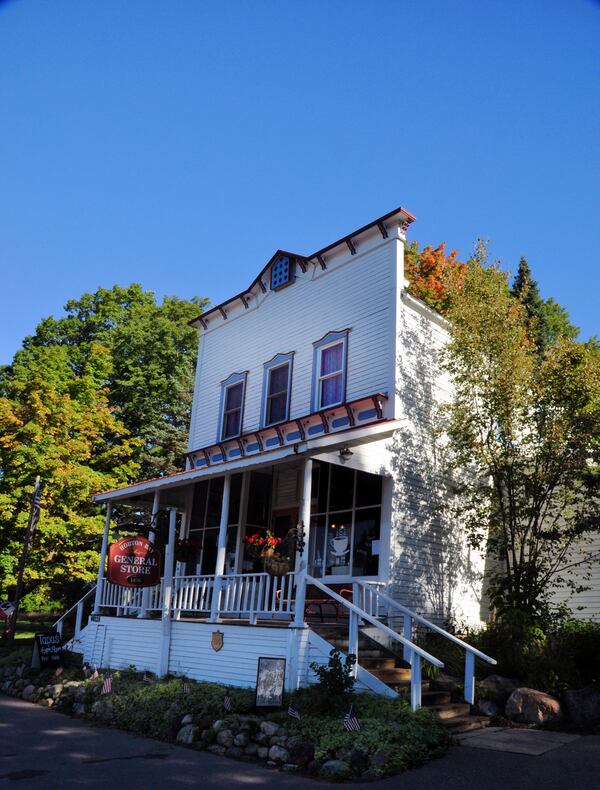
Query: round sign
point(133, 562)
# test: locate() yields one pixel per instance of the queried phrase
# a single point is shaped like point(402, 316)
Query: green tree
point(93, 399)
point(526, 290)
point(57, 423)
point(523, 437)
point(150, 379)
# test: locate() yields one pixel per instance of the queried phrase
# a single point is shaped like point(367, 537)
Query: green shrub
point(336, 679)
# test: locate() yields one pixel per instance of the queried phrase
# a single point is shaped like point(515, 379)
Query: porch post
point(302, 561)
point(100, 582)
point(165, 641)
point(221, 550)
point(151, 538)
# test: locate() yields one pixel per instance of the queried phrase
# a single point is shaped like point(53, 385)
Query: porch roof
point(145, 489)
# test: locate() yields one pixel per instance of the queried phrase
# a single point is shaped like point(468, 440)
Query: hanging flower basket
point(261, 544)
point(277, 566)
point(186, 550)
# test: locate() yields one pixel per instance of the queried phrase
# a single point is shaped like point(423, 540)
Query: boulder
point(269, 728)
point(488, 707)
point(205, 722)
point(241, 739)
point(28, 692)
point(78, 709)
point(262, 752)
point(216, 749)
point(261, 738)
point(188, 734)
point(225, 738)
point(498, 688)
point(234, 751)
point(335, 771)
point(583, 706)
point(251, 750)
point(187, 719)
point(528, 706)
point(278, 754)
point(55, 690)
point(47, 703)
point(301, 751)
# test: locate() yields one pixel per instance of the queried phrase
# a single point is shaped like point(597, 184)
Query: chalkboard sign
point(47, 651)
point(270, 680)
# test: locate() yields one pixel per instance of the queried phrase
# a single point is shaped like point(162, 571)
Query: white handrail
point(409, 616)
point(405, 610)
point(357, 614)
point(76, 606)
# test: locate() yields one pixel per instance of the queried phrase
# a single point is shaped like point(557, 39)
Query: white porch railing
point(376, 603)
point(257, 594)
point(192, 593)
point(127, 600)
point(78, 609)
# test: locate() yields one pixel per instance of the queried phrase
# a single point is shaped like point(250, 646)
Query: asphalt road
point(43, 750)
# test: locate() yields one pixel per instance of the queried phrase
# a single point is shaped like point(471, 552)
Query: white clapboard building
point(316, 392)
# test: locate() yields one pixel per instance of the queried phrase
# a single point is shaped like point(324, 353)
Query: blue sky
point(178, 144)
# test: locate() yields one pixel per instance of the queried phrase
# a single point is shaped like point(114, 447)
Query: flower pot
point(276, 567)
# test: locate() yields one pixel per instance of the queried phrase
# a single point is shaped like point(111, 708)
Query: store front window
point(204, 524)
point(345, 522)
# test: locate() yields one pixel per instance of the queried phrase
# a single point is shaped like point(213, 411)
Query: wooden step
point(376, 662)
point(397, 675)
point(462, 724)
point(451, 710)
point(435, 697)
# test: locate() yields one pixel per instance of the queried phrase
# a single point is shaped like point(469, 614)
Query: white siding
point(125, 642)
point(585, 605)
point(355, 292)
point(432, 570)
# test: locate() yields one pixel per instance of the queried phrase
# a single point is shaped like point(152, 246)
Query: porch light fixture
point(346, 453)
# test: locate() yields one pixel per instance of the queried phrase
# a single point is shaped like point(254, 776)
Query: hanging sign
point(133, 562)
point(47, 651)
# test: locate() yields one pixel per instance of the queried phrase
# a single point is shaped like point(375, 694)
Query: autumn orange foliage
point(430, 272)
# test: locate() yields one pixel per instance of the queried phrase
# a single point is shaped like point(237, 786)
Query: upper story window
point(277, 386)
point(233, 391)
point(282, 272)
point(329, 377)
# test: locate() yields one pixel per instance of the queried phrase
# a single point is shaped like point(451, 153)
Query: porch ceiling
point(174, 485)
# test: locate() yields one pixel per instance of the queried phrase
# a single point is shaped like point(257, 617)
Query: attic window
point(282, 272)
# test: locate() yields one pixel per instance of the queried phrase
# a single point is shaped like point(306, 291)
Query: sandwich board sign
point(47, 651)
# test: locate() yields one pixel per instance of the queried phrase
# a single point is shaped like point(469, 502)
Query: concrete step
point(462, 724)
point(451, 710)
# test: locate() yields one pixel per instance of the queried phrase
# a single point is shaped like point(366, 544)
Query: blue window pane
point(331, 390)
point(278, 379)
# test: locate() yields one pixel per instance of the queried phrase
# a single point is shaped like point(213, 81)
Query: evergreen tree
point(525, 288)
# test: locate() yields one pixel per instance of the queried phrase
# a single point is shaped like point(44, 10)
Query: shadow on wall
point(433, 570)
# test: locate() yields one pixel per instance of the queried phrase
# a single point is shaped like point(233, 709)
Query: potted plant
point(186, 550)
point(264, 546)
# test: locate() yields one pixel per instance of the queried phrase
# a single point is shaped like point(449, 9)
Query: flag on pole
point(35, 507)
point(293, 712)
point(6, 609)
point(186, 687)
point(350, 721)
point(227, 703)
point(107, 685)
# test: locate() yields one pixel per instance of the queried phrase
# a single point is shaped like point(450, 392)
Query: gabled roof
point(403, 215)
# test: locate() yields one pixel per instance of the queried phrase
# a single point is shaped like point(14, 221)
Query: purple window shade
point(331, 359)
point(331, 390)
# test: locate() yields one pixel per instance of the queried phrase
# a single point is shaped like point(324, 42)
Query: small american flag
point(59, 671)
point(350, 721)
point(293, 712)
point(107, 685)
point(35, 507)
point(94, 675)
point(186, 687)
point(227, 704)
